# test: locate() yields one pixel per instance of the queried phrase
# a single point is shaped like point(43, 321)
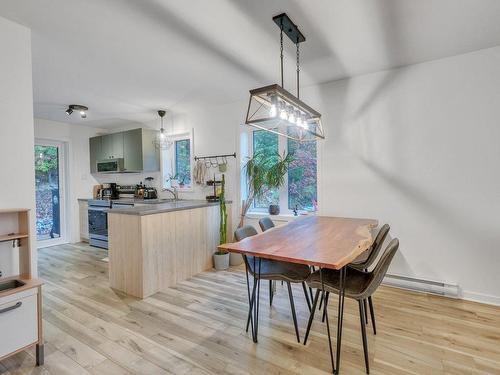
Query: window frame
point(173, 162)
point(248, 132)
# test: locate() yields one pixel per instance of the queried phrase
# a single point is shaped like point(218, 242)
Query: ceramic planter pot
point(274, 209)
point(235, 259)
point(221, 261)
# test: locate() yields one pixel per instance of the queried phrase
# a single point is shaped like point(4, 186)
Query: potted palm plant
point(264, 173)
point(221, 258)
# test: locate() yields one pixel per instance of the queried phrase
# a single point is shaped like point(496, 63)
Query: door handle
point(16, 306)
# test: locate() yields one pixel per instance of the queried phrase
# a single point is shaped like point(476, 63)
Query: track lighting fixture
point(77, 107)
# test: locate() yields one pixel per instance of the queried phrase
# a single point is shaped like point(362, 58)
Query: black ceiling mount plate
point(289, 28)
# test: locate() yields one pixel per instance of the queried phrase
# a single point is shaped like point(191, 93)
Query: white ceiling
point(126, 58)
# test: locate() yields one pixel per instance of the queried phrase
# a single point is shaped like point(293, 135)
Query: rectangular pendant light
point(274, 109)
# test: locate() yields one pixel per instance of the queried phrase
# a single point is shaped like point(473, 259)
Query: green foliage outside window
point(183, 162)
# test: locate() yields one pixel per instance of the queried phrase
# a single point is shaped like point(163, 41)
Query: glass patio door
point(49, 190)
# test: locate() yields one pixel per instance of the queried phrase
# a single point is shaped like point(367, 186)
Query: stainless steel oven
point(98, 222)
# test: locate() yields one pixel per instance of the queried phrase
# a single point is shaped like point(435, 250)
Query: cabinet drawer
point(18, 323)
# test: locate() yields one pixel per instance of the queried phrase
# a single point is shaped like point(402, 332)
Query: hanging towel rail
point(215, 156)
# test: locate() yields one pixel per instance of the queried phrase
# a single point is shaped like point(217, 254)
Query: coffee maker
point(109, 191)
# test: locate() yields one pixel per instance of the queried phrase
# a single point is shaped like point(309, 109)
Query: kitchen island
point(153, 247)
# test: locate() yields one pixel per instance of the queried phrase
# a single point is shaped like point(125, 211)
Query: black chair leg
point(306, 294)
point(321, 300)
point(372, 314)
point(292, 305)
point(363, 334)
point(271, 295)
point(325, 306)
point(365, 307)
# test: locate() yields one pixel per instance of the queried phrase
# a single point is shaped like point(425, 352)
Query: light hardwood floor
point(197, 327)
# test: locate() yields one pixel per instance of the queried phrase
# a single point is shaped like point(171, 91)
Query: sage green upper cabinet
point(132, 150)
point(112, 146)
point(134, 146)
point(95, 144)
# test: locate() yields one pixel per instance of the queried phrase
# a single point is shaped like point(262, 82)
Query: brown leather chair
point(359, 286)
point(273, 270)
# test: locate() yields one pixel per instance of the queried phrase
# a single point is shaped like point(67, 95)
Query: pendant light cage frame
point(276, 110)
point(273, 98)
point(162, 141)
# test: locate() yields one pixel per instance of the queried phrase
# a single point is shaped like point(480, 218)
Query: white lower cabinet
point(18, 321)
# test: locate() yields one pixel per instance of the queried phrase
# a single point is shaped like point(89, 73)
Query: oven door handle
point(97, 208)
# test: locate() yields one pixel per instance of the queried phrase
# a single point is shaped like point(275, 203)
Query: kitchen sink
point(11, 284)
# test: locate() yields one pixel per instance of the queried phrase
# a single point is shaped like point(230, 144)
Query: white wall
point(17, 186)
point(78, 177)
point(418, 148)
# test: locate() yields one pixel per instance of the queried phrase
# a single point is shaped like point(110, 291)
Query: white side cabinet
point(18, 321)
point(84, 220)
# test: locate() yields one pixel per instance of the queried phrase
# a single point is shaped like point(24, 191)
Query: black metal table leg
point(311, 316)
point(256, 303)
point(325, 311)
point(340, 317)
point(249, 319)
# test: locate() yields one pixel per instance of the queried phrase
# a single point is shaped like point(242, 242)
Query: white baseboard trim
point(422, 285)
point(481, 298)
point(439, 288)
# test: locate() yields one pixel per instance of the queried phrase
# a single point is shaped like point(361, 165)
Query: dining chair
point(365, 261)
point(268, 269)
point(359, 285)
point(266, 223)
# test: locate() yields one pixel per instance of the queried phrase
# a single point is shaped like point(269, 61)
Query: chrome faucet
point(172, 191)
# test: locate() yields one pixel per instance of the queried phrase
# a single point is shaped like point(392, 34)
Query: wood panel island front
point(152, 248)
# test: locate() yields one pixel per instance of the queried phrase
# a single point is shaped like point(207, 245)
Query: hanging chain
point(281, 53)
point(298, 70)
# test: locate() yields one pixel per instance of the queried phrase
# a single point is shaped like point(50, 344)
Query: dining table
point(324, 242)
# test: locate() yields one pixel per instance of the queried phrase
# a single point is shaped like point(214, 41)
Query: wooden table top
point(323, 241)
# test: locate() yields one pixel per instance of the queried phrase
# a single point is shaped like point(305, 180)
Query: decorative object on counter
point(221, 257)
point(162, 141)
point(77, 107)
point(274, 209)
point(274, 109)
point(263, 173)
point(216, 190)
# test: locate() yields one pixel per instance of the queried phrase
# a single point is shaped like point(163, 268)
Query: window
point(266, 143)
point(183, 162)
point(177, 169)
point(300, 189)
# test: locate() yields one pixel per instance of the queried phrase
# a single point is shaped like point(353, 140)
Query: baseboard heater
point(421, 285)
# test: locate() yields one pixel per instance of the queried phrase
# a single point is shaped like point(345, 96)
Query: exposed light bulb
point(162, 134)
point(283, 114)
point(83, 114)
point(273, 111)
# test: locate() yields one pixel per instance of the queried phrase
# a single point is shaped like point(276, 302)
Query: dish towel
point(200, 172)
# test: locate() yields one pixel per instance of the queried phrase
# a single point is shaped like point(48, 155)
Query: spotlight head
point(77, 107)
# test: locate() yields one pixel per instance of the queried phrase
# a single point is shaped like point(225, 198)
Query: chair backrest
point(378, 273)
point(266, 223)
point(244, 232)
point(377, 245)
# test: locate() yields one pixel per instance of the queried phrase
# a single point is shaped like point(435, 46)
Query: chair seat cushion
point(356, 286)
point(276, 270)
